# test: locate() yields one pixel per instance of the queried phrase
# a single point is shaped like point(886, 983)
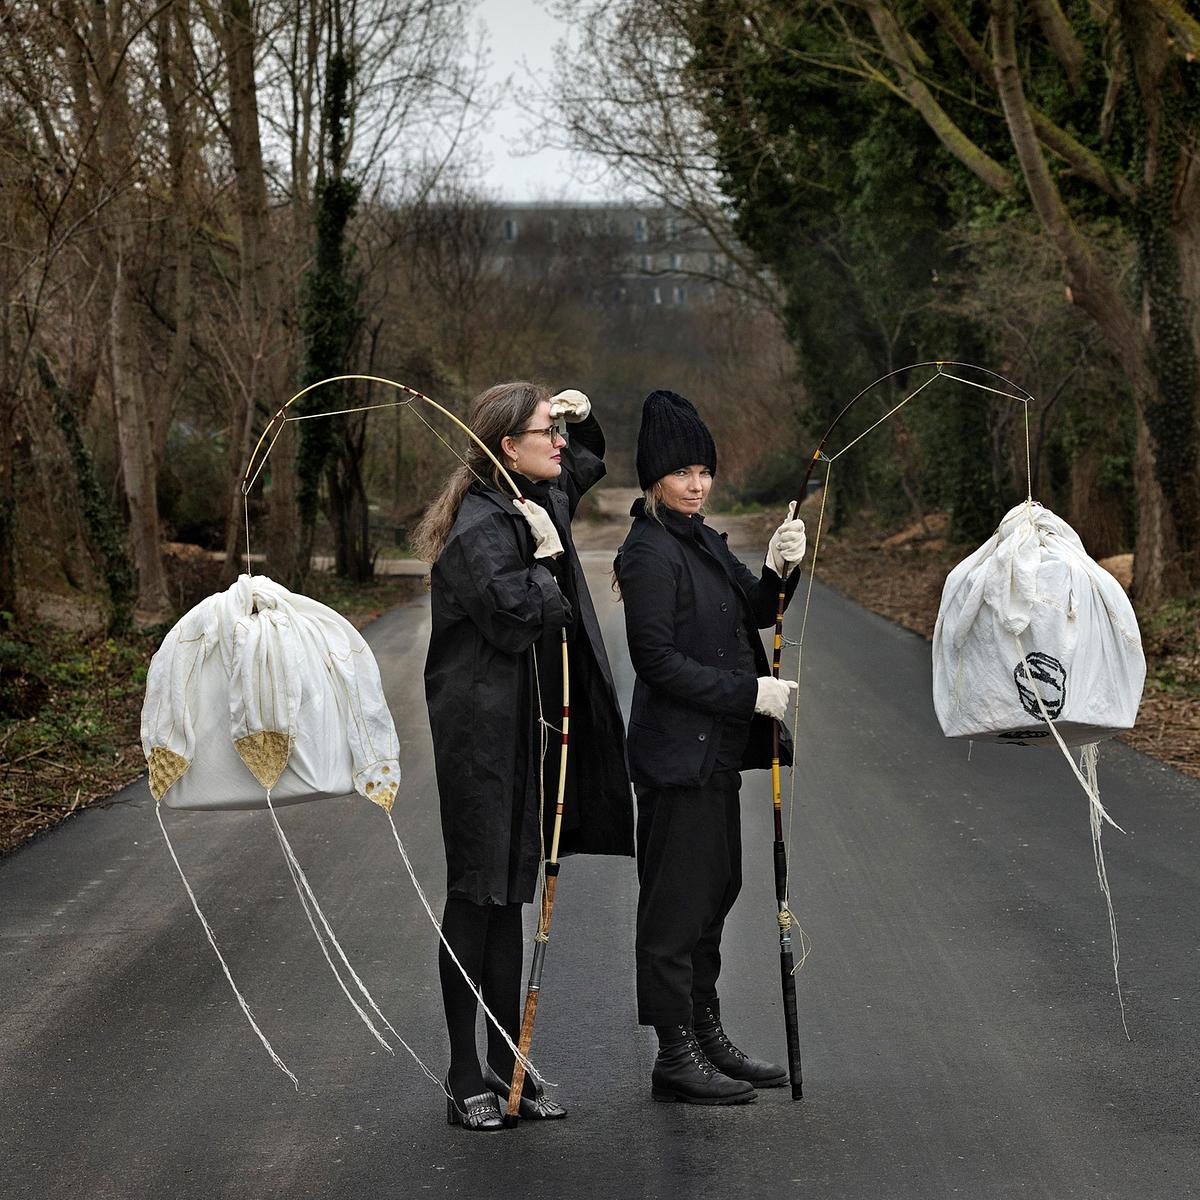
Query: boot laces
point(717, 1031)
point(698, 1056)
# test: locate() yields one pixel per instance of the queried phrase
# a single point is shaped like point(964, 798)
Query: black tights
point(489, 943)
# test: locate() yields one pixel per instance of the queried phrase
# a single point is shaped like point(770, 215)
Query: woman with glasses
point(505, 582)
point(703, 707)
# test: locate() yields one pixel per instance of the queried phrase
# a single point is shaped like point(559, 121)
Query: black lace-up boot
point(681, 1072)
point(727, 1058)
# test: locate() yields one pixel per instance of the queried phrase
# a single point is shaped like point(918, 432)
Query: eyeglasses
point(549, 433)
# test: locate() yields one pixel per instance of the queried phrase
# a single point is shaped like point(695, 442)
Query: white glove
point(571, 404)
point(773, 696)
point(787, 545)
point(545, 536)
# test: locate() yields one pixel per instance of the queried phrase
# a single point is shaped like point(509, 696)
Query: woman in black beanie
point(703, 704)
point(505, 582)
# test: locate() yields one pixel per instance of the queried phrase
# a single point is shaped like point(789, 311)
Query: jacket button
point(720, 653)
point(724, 607)
point(701, 737)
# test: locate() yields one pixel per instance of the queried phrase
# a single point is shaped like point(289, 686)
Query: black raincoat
point(496, 607)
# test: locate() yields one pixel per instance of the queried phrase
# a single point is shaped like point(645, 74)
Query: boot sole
point(667, 1097)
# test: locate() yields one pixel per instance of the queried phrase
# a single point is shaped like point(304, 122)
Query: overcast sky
point(521, 36)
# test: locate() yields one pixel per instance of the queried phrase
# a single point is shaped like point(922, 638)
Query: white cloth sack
point(1030, 616)
point(258, 688)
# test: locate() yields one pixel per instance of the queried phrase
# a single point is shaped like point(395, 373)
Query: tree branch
point(1090, 288)
point(1184, 26)
point(1062, 40)
point(1086, 164)
point(891, 38)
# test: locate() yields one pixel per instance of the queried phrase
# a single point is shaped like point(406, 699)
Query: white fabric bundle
point(257, 688)
point(260, 697)
point(1031, 628)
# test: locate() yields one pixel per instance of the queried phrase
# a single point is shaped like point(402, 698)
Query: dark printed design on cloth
point(1050, 679)
point(1021, 737)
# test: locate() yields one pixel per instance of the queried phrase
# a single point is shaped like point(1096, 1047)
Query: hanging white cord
point(529, 1067)
point(310, 904)
point(1088, 757)
point(212, 941)
point(1096, 818)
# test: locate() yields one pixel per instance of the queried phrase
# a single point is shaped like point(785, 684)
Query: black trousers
point(689, 857)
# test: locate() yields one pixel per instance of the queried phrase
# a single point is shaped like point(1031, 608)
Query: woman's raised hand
point(546, 540)
point(787, 545)
point(572, 404)
point(773, 696)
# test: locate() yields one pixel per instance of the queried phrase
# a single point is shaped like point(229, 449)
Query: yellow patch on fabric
point(265, 754)
point(165, 768)
point(384, 795)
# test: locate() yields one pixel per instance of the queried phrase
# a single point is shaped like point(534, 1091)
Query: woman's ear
point(508, 449)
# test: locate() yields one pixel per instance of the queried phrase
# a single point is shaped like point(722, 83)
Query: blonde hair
point(651, 496)
point(496, 413)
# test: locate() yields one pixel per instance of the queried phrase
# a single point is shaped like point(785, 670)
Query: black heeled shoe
point(535, 1107)
point(480, 1113)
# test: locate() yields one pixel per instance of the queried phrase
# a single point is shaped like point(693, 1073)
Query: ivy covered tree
point(848, 137)
point(331, 450)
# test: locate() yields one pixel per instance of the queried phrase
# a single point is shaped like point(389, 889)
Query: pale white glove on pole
point(545, 536)
point(572, 404)
point(787, 545)
point(773, 696)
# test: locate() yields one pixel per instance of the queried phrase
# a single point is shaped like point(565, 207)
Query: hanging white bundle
point(259, 697)
point(1037, 645)
point(258, 688)
point(1031, 628)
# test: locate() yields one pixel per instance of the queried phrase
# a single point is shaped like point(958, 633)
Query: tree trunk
point(349, 513)
point(136, 443)
point(1158, 354)
point(1167, 227)
point(173, 41)
point(134, 430)
point(102, 525)
point(266, 349)
point(1097, 513)
point(1156, 547)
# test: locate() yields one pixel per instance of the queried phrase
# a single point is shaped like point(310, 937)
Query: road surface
point(960, 1028)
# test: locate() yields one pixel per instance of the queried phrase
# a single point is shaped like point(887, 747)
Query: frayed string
point(491, 1016)
point(221, 958)
point(1088, 778)
point(1088, 757)
point(309, 900)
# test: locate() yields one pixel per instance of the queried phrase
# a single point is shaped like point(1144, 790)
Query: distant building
point(640, 255)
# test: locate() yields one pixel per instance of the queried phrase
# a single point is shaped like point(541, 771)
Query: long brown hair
point(495, 414)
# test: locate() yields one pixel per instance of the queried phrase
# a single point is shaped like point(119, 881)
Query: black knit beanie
point(672, 435)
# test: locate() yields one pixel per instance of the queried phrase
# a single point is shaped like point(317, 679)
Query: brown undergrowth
point(70, 703)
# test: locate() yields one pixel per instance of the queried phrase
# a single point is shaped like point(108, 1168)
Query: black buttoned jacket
point(684, 594)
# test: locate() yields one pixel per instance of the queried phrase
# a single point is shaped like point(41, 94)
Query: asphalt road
point(960, 1028)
